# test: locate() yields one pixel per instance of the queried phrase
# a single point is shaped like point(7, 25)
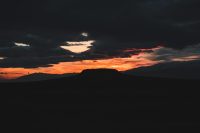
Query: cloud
point(78, 47)
point(22, 44)
point(121, 25)
point(164, 54)
point(1, 58)
point(125, 60)
point(85, 34)
point(138, 20)
point(32, 51)
point(44, 51)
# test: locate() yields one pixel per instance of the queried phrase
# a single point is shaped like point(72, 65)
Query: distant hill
point(179, 70)
point(3, 80)
point(41, 76)
point(182, 70)
point(100, 74)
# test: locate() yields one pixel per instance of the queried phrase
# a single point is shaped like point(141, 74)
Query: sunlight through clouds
point(1, 58)
point(78, 47)
point(145, 57)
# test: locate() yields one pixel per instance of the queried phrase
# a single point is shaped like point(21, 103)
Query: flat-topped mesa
point(100, 73)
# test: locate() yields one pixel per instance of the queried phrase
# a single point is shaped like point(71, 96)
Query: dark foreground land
point(91, 103)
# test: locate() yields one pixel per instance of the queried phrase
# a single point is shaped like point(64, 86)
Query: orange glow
point(120, 64)
point(138, 58)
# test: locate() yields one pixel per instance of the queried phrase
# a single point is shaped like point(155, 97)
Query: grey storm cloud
point(138, 20)
point(114, 25)
point(35, 51)
point(44, 51)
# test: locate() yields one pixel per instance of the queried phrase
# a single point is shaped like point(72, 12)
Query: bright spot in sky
point(22, 44)
point(78, 47)
point(84, 34)
point(1, 58)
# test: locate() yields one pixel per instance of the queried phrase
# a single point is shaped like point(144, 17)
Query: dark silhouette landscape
point(100, 66)
point(102, 100)
point(177, 70)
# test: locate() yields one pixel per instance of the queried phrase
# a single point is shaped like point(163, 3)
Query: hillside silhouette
point(178, 70)
point(41, 77)
point(101, 74)
point(102, 100)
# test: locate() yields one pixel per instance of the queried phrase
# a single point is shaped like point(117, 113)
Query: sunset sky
point(68, 36)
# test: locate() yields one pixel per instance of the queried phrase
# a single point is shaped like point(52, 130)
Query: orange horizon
point(120, 64)
point(145, 57)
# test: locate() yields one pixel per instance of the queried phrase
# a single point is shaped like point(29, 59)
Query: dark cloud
point(41, 51)
point(115, 25)
point(32, 62)
point(138, 20)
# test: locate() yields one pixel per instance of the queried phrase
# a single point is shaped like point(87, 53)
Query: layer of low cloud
point(164, 54)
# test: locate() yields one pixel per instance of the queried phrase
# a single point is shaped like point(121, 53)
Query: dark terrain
point(101, 101)
point(41, 77)
point(176, 70)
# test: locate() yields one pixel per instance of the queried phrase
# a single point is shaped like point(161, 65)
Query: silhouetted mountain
point(3, 80)
point(182, 70)
point(42, 76)
point(101, 74)
point(99, 101)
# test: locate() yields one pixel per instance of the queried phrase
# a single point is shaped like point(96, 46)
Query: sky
point(68, 36)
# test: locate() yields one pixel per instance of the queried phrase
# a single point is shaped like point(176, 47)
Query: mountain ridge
point(177, 70)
